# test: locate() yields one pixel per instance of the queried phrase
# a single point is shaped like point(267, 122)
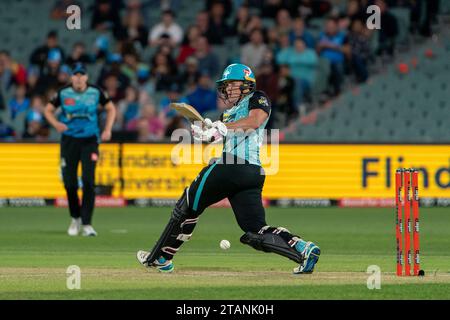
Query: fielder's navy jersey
point(80, 110)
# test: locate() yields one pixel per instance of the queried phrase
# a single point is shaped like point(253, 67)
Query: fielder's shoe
point(311, 252)
point(88, 231)
point(74, 228)
point(161, 264)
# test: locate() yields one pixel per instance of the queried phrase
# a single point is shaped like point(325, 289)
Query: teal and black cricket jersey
point(238, 143)
point(80, 110)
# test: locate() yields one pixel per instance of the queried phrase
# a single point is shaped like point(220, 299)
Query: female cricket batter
point(237, 175)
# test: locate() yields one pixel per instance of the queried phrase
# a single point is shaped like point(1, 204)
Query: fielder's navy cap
point(79, 68)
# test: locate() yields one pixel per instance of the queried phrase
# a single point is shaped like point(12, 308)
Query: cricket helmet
point(237, 72)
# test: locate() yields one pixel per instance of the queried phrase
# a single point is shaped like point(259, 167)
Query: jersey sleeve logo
point(263, 101)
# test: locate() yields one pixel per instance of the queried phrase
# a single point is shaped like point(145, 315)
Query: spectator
point(11, 72)
point(202, 22)
point(267, 80)
point(388, 31)
point(133, 29)
point(273, 40)
point(283, 22)
point(284, 48)
point(63, 77)
point(286, 86)
point(148, 125)
point(167, 26)
point(253, 52)
point(240, 24)
point(130, 66)
point(255, 22)
point(105, 17)
point(19, 103)
point(101, 47)
point(128, 108)
point(114, 66)
point(6, 132)
point(173, 94)
point(32, 80)
point(144, 81)
point(218, 28)
point(164, 71)
point(112, 88)
point(207, 60)
point(271, 8)
point(190, 74)
point(226, 4)
point(188, 47)
point(48, 79)
point(79, 54)
point(35, 124)
point(59, 10)
point(39, 55)
point(332, 45)
point(360, 50)
point(298, 31)
point(354, 11)
point(303, 64)
point(203, 98)
point(314, 9)
point(177, 122)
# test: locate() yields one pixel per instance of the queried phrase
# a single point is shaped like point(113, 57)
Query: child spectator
point(35, 124)
point(19, 103)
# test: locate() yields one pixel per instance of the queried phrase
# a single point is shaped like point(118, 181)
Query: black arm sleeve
point(259, 100)
point(103, 96)
point(56, 100)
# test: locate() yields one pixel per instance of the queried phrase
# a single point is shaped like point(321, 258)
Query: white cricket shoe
point(88, 231)
point(74, 228)
point(161, 264)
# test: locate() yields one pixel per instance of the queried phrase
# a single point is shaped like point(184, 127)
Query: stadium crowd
point(284, 56)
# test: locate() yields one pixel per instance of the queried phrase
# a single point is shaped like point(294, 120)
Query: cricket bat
point(187, 111)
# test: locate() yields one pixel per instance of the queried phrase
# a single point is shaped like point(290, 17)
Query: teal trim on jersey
point(200, 187)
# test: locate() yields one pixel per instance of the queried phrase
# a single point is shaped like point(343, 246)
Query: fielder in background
point(80, 103)
point(237, 175)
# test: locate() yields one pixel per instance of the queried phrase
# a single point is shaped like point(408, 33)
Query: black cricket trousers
point(73, 151)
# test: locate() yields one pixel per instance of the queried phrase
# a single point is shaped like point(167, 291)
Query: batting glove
point(197, 132)
point(216, 132)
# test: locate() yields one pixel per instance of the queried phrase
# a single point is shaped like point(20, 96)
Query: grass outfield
point(35, 252)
